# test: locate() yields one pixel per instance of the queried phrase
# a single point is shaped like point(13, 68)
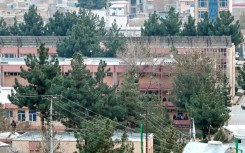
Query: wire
point(97, 113)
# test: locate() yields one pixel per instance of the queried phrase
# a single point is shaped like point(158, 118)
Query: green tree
point(208, 109)
point(171, 23)
point(190, 72)
point(115, 41)
point(61, 23)
point(83, 37)
point(241, 77)
point(221, 136)
point(33, 23)
point(40, 73)
point(226, 90)
point(15, 29)
point(224, 25)
point(4, 29)
point(92, 4)
point(152, 26)
point(205, 27)
point(97, 134)
point(189, 27)
point(130, 96)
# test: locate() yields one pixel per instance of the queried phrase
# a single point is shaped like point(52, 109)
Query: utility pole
point(146, 131)
point(51, 126)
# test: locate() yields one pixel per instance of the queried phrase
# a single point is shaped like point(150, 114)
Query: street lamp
point(91, 53)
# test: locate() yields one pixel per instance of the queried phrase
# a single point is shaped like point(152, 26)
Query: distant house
point(30, 142)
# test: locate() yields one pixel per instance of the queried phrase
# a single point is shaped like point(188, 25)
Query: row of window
point(22, 115)
point(203, 3)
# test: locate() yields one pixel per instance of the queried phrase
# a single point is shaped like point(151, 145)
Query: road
point(237, 114)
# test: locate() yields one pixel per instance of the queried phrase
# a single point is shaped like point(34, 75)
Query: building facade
point(213, 7)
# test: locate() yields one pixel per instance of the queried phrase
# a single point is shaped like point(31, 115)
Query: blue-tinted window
point(223, 3)
point(32, 115)
point(213, 9)
point(9, 113)
point(21, 115)
point(202, 3)
point(201, 14)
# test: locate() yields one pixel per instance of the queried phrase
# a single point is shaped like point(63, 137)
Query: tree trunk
point(42, 121)
point(209, 135)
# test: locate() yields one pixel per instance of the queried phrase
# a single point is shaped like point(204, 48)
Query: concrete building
point(213, 7)
point(31, 141)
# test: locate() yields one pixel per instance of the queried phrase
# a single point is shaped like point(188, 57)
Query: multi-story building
point(213, 7)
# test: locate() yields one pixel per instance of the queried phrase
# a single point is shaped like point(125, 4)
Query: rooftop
point(69, 136)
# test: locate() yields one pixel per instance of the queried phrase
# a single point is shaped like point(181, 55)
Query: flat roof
point(69, 136)
point(96, 61)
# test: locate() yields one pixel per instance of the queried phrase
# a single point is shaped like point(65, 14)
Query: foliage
point(61, 23)
point(190, 72)
point(206, 104)
point(33, 23)
point(189, 27)
point(115, 42)
point(152, 26)
point(157, 26)
point(205, 27)
point(97, 134)
point(83, 37)
point(4, 29)
point(171, 24)
point(4, 121)
point(14, 29)
point(39, 73)
point(226, 90)
point(220, 136)
point(241, 77)
point(130, 97)
point(92, 4)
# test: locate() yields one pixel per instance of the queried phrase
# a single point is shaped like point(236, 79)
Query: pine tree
point(92, 4)
point(208, 109)
point(130, 97)
point(241, 77)
point(226, 89)
point(171, 23)
point(83, 37)
point(151, 26)
point(61, 23)
point(189, 27)
point(40, 73)
point(33, 23)
point(4, 29)
point(15, 29)
point(205, 27)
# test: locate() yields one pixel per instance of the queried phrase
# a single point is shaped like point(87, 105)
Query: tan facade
point(213, 7)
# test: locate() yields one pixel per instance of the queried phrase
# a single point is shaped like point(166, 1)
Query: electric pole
point(146, 131)
point(51, 126)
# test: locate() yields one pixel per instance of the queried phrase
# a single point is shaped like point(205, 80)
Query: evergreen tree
point(4, 29)
point(191, 71)
point(171, 23)
point(241, 77)
point(205, 27)
point(115, 41)
point(83, 37)
point(39, 73)
point(130, 96)
point(33, 23)
point(92, 4)
point(15, 29)
point(152, 26)
point(208, 109)
point(226, 89)
point(97, 134)
point(189, 27)
point(61, 23)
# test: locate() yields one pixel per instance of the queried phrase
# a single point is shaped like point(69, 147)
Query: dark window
point(202, 3)
point(21, 115)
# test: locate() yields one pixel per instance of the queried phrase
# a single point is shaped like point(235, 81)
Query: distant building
point(30, 142)
point(213, 7)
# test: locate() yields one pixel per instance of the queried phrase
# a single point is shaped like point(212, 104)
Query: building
point(30, 142)
point(213, 7)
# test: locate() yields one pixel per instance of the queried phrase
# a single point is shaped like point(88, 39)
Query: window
point(202, 3)
point(9, 113)
point(201, 14)
point(21, 115)
point(108, 74)
point(223, 3)
point(32, 115)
